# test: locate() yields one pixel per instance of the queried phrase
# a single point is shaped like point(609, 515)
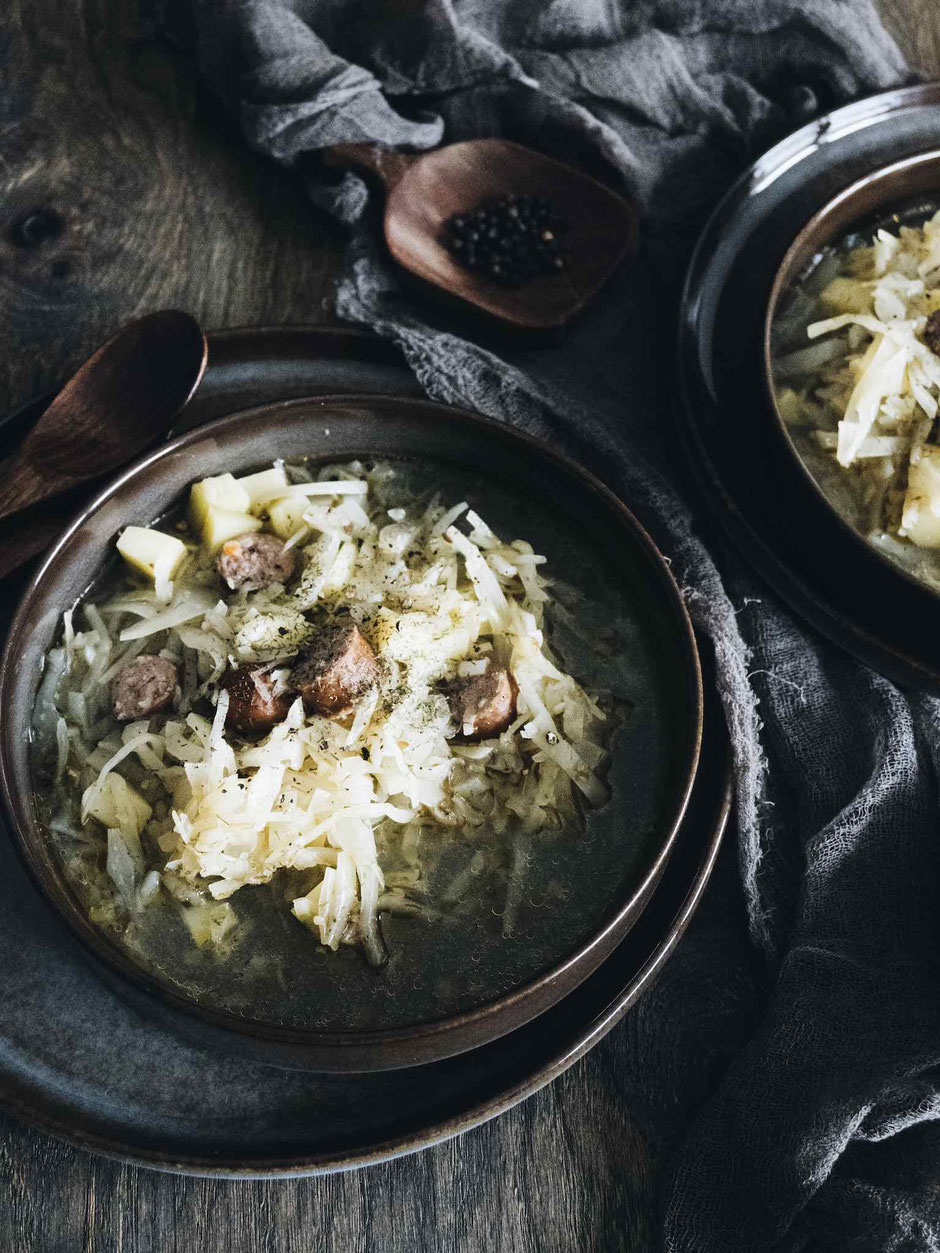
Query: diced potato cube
point(920, 521)
point(220, 525)
point(116, 804)
point(847, 295)
point(286, 517)
point(789, 406)
point(151, 552)
point(209, 924)
point(264, 486)
point(221, 492)
point(306, 908)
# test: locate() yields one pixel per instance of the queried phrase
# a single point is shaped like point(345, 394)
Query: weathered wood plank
point(544, 1178)
point(123, 189)
point(915, 24)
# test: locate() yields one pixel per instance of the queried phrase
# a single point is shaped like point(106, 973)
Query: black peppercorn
point(510, 240)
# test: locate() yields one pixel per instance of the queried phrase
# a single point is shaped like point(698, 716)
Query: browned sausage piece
point(336, 669)
point(143, 687)
point(485, 704)
point(253, 705)
point(253, 561)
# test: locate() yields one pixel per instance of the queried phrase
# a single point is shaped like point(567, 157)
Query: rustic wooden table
point(147, 197)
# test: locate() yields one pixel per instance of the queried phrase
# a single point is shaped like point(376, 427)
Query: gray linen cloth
point(799, 1024)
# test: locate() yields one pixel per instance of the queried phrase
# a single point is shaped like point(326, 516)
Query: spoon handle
point(22, 484)
point(26, 543)
point(387, 165)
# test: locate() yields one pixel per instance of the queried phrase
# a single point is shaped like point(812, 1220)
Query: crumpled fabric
point(799, 1023)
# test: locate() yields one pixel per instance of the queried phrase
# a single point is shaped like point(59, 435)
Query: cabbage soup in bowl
point(853, 359)
point(361, 729)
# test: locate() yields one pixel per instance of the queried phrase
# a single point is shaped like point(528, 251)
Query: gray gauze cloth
point(797, 1031)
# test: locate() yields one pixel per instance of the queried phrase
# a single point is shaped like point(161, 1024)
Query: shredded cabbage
point(867, 392)
point(182, 803)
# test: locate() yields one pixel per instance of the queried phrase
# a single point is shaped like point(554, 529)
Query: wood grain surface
point(122, 189)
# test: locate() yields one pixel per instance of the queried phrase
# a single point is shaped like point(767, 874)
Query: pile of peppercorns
point(510, 240)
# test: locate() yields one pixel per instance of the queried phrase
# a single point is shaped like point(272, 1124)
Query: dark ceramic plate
point(749, 475)
point(76, 1061)
point(456, 982)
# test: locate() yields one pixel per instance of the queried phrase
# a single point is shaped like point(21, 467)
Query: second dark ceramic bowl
point(454, 984)
point(904, 191)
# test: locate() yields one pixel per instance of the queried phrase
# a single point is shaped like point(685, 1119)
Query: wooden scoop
point(121, 401)
point(426, 189)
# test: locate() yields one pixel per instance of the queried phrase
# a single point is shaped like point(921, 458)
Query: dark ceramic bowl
point(904, 191)
point(454, 983)
point(755, 489)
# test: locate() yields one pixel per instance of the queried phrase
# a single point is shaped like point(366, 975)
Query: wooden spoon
point(121, 401)
point(424, 190)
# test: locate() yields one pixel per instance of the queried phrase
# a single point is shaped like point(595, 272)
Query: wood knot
point(36, 227)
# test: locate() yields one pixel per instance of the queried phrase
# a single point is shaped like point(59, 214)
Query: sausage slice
point(336, 669)
point(485, 704)
point(254, 561)
point(253, 705)
point(145, 686)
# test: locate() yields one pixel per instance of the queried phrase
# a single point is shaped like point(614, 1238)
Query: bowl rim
point(18, 809)
point(783, 278)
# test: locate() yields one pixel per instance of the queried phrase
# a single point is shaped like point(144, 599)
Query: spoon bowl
point(425, 190)
point(123, 399)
